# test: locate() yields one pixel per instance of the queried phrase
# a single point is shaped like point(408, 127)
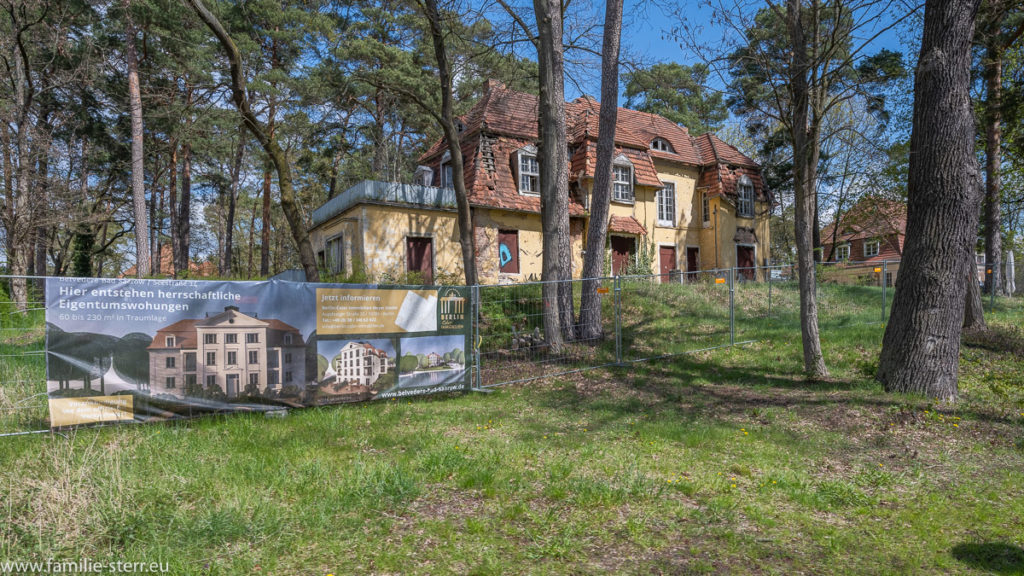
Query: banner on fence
point(144, 350)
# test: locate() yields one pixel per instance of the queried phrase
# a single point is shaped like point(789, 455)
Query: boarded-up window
point(335, 256)
point(420, 258)
point(508, 251)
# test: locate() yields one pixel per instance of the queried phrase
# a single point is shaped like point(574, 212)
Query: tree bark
point(993, 135)
point(805, 157)
point(265, 219)
point(229, 219)
point(593, 258)
point(554, 176)
point(181, 247)
point(974, 313)
point(172, 210)
point(451, 135)
point(921, 347)
point(143, 262)
point(270, 146)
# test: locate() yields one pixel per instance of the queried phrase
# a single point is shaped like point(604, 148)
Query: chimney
point(493, 84)
point(229, 308)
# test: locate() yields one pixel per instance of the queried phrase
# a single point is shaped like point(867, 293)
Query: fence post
point(885, 285)
point(732, 306)
point(769, 272)
point(618, 320)
point(475, 294)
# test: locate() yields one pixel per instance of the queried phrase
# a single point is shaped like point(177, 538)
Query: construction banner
point(144, 350)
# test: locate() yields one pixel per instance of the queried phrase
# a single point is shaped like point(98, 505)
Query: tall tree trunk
point(554, 177)
point(270, 146)
point(227, 257)
point(974, 313)
point(921, 347)
point(451, 135)
point(172, 209)
point(993, 198)
point(181, 249)
point(252, 241)
point(143, 262)
point(805, 157)
point(265, 220)
point(600, 196)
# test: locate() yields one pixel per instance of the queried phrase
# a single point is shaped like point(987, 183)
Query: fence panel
point(665, 315)
point(23, 405)
point(512, 345)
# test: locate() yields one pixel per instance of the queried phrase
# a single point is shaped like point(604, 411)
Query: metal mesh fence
point(636, 318)
point(23, 405)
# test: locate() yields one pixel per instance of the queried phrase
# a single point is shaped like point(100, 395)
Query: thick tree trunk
point(593, 258)
point(229, 219)
point(451, 135)
point(805, 157)
point(921, 347)
point(993, 198)
point(270, 146)
point(554, 175)
point(143, 262)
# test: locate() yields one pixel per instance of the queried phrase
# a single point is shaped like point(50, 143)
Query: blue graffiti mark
point(504, 254)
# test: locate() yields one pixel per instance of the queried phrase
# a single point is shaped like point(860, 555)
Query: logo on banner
point(453, 309)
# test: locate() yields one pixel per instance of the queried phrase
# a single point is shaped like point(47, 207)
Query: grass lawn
point(724, 461)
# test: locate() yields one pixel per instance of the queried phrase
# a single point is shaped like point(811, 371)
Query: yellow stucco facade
point(373, 237)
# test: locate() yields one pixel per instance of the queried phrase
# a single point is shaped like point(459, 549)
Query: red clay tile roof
point(870, 217)
point(626, 225)
point(185, 334)
point(201, 270)
point(504, 121)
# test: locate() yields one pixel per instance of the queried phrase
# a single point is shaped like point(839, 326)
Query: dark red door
point(667, 259)
point(420, 258)
point(745, 261)
point(622, 250)
point(692, 259)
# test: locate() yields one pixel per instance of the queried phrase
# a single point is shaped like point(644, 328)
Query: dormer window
point(871, 248)
point(424, 176)
point(622, 180)
point(745, 194)
point(446, 170)
point(842, 252)
point(460, 126)
point(170, 341)
point(529, 171)
point(661, 145)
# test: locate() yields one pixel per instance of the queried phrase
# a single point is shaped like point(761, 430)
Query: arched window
point(745, 194)
point(661, 145)
point(622, 179)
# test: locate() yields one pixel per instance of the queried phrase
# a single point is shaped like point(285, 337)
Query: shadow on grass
point(996, 557)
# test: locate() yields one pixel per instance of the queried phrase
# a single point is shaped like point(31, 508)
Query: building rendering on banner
point(360, 364)
point(230, 350)
point(696, 202)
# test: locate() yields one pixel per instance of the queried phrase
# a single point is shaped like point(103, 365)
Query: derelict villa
point(230, 350)
point(697, 202)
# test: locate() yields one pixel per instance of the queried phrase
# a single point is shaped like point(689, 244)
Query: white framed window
point(705, 209)
point(529, 171)
point(661, 145)
point(169, 341)
point(622, 182)
point(871, 248)
point(745, 193)
point(424, 176)
point(666, 200)
point(842, 252)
